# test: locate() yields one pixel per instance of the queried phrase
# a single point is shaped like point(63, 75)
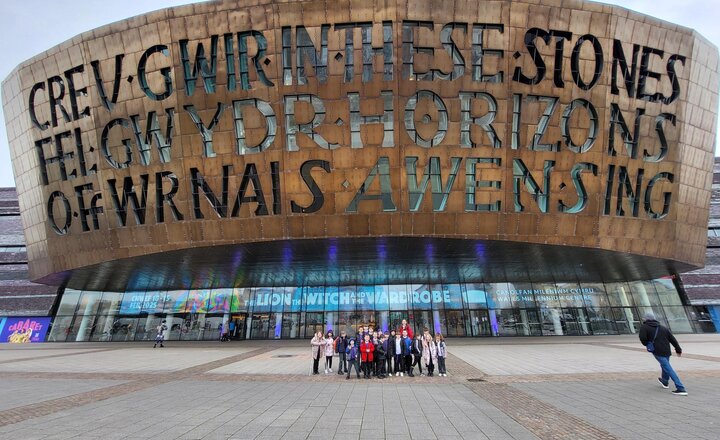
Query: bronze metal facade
point(312, 142)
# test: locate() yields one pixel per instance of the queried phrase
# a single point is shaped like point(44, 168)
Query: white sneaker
point(397, 374)
point(326, 371)
point(402, 374)
point(331, 370)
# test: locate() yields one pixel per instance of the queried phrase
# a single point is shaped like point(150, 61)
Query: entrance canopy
point(386, 260)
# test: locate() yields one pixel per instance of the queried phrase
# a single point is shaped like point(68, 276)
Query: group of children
point(379, 354)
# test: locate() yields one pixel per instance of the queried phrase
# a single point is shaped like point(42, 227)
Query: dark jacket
point(663, 339)
point(352, 353)
point(381, 350)
point(360, 338)
point(390, 347)
point(376, 343)
point(417, 347)
point(341, 344)
point(406, 345)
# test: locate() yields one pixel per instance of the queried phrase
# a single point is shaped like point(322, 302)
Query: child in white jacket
point(329, 343)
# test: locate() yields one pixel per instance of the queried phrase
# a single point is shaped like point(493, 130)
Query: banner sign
point(19, 330)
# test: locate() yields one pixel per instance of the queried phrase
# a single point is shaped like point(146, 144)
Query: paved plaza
point(519, 388)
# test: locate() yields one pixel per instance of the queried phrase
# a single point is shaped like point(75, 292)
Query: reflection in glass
point(174, 301)
point(667, 292)
point(213, 324)
point(398, 296)
point(290, 325)
point(240, 297)
point(644, 294)
point(110, 303)
point(123, 329)
point(219, 300)
point(421, 298)
point(677, 319)
point(314, 323)
point(346, 295)
point(69, 302)
point(454, 323)
point(62, 326)
point(365, 298)
point(457, 309)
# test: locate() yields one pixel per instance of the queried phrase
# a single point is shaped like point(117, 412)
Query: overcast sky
point(28, 27)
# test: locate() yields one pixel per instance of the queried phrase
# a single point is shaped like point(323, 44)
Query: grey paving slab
point(283, 361)
point(208, 408)
point(9, 353)
point(262, 395)
point(138, 359)
point(637, 409)
point(695, 348)
point(22, 392)
point(499, 360)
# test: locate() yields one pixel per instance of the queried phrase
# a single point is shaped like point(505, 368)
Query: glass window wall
point(453, 309)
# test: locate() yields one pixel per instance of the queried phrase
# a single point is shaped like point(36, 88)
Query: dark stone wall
point(18, 296)
point(703, 286)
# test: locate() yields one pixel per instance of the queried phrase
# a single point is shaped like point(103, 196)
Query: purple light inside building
point(480, 251)
point(429, 252)
point(382, 251)
point(287, 255)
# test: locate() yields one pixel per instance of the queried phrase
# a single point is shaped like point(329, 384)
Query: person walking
point(317, 343)
point(341, 345)
point(353, 358)
point(329, 351)
point(160, 337)
point(231, 333)
point(657, 339)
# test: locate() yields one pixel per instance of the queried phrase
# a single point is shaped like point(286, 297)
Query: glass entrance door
point(396, 320)
point(290, 325)
point(480, 323)
point(237, 326)
point(314, 323)
point(260, 326)
point(455, 323)
point(576, 322)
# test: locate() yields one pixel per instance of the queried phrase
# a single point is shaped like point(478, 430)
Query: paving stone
point(196, 401)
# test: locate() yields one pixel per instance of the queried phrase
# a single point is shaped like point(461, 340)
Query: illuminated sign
point(24, 330)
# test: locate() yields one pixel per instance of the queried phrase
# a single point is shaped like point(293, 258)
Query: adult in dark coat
point(341, 345)
point(390, 352)
point(661, 338)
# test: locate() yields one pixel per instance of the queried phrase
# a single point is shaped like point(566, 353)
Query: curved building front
point(479, 168)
